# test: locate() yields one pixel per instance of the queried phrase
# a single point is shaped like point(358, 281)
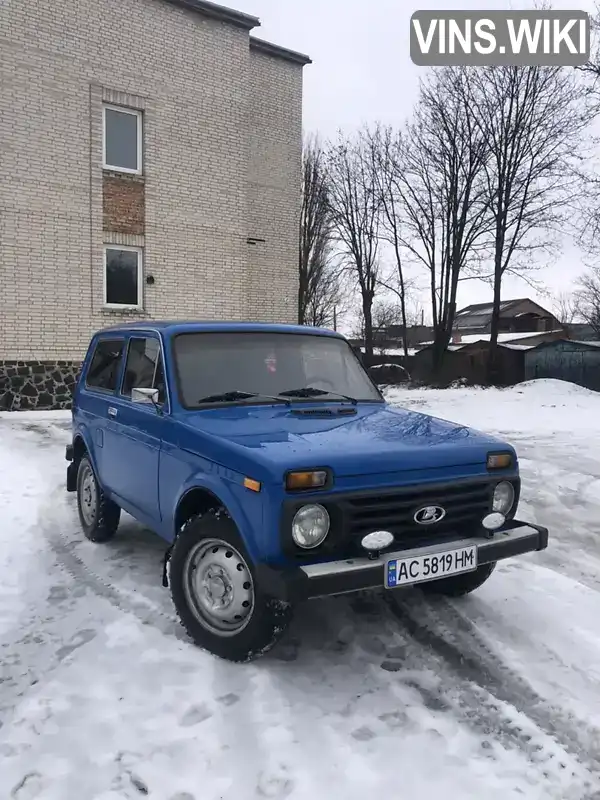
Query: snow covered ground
point(496, 696)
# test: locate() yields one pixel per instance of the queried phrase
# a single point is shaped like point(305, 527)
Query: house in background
point(150, 162)
point(516, 316)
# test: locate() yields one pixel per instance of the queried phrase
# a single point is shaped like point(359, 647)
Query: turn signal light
point(314, 479)
point(253, 485)
point(499, 461)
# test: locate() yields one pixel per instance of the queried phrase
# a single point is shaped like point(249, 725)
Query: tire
point(216, 595)
point(99, 516)
point(460, 585)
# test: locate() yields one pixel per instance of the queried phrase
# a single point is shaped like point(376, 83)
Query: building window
point(122, 139)
point(122, 277)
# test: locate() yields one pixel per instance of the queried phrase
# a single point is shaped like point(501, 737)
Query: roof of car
point(172, 327)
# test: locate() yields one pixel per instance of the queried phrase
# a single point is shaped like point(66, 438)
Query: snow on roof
point(589, 344)
point(503, 337)
point(394, 351)
point(487, 308)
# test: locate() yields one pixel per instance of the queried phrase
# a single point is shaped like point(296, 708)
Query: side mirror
point(148, 396)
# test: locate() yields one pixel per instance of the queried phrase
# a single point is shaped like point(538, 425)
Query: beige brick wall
point(216, 117)
point(274, 178)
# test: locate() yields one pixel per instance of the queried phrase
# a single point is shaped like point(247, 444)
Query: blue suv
point(275, 471)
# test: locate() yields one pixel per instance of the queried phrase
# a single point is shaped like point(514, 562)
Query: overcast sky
point(362, 72)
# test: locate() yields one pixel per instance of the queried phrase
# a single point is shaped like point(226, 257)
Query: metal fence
point(576, 362)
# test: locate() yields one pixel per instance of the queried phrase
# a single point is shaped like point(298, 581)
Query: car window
point(144, 368)
point(103, 372)
point(267, 363)
point(325, 365)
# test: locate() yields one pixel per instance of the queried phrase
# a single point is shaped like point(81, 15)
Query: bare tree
point(386, 156)
point(355, 213)
point(532, 119)
point(587, 299)
point(589, 206)
point(565, 307)
point(319, 286)
point(592, 68)
point(327, 301)
point(443, 192)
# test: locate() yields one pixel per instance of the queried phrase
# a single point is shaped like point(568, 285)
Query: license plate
point(406, 571)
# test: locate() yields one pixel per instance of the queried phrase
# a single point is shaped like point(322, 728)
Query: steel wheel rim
point(218, 587)
point(88, 500)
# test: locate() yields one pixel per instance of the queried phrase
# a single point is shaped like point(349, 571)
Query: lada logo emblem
point(429, 515)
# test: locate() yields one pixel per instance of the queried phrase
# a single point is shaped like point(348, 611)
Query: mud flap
point(166, 560)
point(72, 476)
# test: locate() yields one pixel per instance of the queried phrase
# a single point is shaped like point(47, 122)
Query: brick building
point(150, 156)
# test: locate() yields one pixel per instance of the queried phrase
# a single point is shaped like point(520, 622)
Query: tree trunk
point(368, 317)
point(301, 300)
point(492, 365)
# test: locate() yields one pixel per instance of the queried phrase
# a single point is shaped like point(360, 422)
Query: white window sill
point(122, 170)
point(114, 307)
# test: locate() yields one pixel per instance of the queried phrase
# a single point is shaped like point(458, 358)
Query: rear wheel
point(99, 516)
point(216, 594)
point(460, 585)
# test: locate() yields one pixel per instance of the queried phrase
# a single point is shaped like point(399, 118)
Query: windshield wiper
point(310, 391)
point(231, 397)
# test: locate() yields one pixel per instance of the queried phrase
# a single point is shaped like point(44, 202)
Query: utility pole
point(335, 318)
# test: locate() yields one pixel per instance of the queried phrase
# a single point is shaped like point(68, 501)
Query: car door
point(133, 439)
point(101, 380)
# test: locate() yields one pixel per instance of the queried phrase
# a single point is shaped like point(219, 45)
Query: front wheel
point(99, 516)
point(216, 595)
point(460, 585)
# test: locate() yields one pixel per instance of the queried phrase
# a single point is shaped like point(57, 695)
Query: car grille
point(465, 505)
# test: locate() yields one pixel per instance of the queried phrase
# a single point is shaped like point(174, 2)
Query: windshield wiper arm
point(231, 397)
point(311, 391)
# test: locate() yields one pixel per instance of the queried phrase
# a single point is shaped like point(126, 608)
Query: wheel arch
point(200, 499)
point(82, 446)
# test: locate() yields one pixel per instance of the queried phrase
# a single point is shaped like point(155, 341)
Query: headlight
point(504, 497)
point(310, 526)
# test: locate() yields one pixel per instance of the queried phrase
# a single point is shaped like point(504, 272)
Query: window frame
point(139, 115)
point(143, 335)
point(207, 406)
point(140, 278)
point(122, 340)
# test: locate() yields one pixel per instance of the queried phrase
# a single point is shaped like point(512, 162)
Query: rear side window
point(103, 372)
point(143, 368)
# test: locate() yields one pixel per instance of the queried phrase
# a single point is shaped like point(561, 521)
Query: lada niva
point(275, 471)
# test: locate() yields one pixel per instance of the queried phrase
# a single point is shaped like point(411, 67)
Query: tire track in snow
point(140, 607)
point(479, 696)
point(417, 675)
point(445, 631)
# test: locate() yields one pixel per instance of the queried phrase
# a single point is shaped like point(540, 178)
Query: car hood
point(379, 438)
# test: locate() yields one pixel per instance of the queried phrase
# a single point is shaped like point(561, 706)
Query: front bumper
point(353, 575)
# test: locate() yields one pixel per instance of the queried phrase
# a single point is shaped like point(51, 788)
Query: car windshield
point(214, 367)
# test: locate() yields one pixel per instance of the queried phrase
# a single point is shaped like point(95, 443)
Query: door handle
point(112, 412)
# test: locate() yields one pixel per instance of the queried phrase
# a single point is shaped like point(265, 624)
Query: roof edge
point(220, 13)
point(270, 49)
